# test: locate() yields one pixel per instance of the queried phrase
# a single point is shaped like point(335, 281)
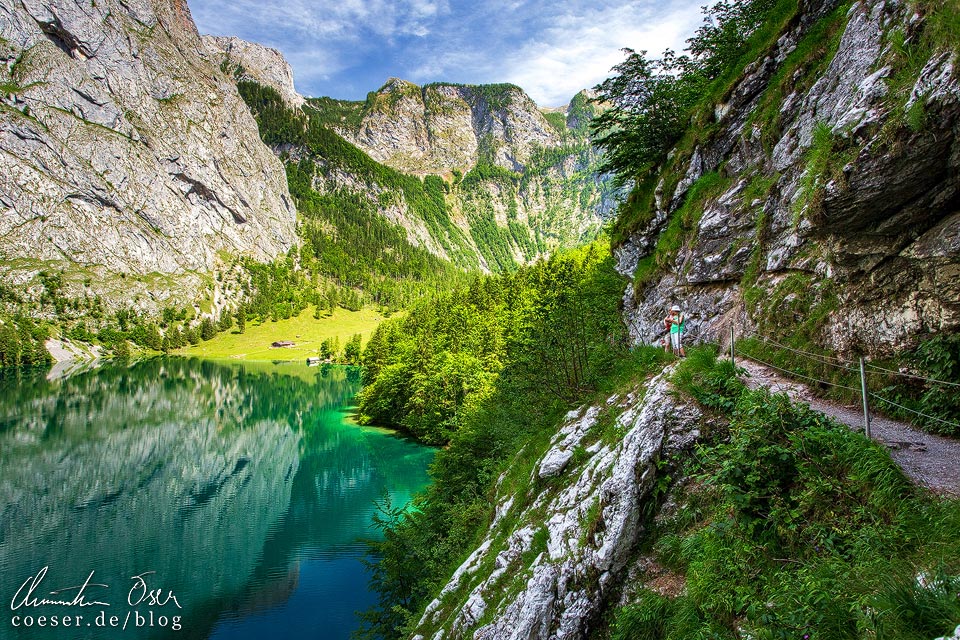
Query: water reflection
point(244, 487)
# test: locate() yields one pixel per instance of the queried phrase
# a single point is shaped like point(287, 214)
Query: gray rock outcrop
point(555, 556)
point(126, 151)
point(442, 127)
point(839, 213)
point(255, 62)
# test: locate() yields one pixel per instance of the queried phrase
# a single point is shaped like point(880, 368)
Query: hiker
point(674, 324)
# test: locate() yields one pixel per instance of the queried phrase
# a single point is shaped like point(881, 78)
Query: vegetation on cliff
point(22, 342)
point(736, 129)
point(486, 369)
point(789, 525)
point(344, 222)
point(652, 101)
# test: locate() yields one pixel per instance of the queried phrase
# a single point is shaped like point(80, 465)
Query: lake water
point(240, 491)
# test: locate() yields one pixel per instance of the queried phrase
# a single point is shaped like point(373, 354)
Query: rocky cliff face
point(556, 555)
point(126, 151)
point(442, 127)
point(249, 60)
point(825, 197)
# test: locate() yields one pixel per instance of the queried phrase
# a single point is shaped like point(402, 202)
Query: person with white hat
point(674, 323)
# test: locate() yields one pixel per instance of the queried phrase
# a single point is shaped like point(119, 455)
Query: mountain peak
point(396, 84)
point(256, 62)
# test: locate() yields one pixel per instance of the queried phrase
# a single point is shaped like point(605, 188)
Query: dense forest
point(486, 369)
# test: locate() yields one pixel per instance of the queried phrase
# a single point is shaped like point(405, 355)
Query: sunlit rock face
point(554, 557)
point(126, 150)
point(868, 237)
point(441, 127)
point(256, 62)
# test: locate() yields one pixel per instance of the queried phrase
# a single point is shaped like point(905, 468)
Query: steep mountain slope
point(820, 200)
point(127, 152)
point(252, 61)
point(442, 127)
point(519, 182)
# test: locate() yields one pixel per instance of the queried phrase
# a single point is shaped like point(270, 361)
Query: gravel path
point(932, 461)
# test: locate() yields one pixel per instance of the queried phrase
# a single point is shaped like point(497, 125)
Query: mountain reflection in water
point(245, 488)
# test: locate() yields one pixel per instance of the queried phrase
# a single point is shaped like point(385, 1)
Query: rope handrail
point(839, 364)
point(824, 359)
point(800, 375)
point(910, 375)
point(919, 413)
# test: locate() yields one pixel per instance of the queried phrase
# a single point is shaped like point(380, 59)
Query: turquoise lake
point(240, 493)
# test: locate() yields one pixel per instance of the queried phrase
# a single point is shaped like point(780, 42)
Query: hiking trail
point(931, 461)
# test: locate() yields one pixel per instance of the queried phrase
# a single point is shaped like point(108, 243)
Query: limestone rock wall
point(125, 150)
point(871, 242)
point(554, 557)
point(441, 127)
point(255, 61)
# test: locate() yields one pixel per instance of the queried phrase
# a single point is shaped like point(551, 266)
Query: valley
point(494, 275)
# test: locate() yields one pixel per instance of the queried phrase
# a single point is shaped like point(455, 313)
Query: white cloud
point(578, 53)
point(553, 55)
point(549, 48)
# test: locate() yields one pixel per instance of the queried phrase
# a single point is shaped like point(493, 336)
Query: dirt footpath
point(932, 461)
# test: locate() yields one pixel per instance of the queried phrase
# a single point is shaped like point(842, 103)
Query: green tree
point(351, 350)
point(241, 316)
point(650, 106)
point(328, 349)
point(208, 329)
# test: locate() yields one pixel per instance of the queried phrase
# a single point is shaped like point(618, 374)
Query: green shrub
point(800, 527)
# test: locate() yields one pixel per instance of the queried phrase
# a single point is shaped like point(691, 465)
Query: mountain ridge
point(136, 184)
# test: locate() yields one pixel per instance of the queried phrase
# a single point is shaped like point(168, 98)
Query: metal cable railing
point(837, 363)
point(825, 359)
point(919, 413)
point(800, 375)
point(911, 375)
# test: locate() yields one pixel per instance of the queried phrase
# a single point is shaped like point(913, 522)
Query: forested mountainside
point(793, 176)
point(477, 175)
point(141, 203)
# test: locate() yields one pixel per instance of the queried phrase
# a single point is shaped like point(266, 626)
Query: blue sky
point(345, 48)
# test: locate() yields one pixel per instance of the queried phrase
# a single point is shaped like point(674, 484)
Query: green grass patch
point(681, 226)
point(304, 330)
point(557, 120)
point(338, 113)
point(819, 159)
point(826, 159)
